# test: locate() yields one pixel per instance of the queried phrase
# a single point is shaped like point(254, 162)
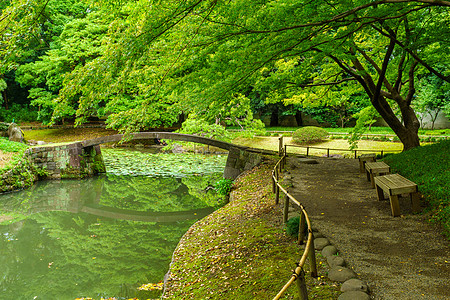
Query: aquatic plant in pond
point(125, 162)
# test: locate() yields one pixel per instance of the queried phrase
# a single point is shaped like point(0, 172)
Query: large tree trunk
point(407, 131)
point(274, 117)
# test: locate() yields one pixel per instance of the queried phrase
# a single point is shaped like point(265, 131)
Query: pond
point(107, 236)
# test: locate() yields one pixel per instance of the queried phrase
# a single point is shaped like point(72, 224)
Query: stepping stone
point(329, 250)
point(354, 285)
point(354, 295)
point(308, 161)
point(341, 274)
point(320, 243)
point(335, 261)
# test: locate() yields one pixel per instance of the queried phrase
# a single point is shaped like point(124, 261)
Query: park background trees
point(143, 64)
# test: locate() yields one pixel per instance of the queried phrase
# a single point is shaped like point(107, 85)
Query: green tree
point(202, 52)
point(432, 98)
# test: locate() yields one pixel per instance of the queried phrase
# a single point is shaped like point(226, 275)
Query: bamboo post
point(274, 184)
point(280, 146)
point(307, 151)
point(301, 228)
point(328, 152)
point(286, 209)
point(355, 154)
point(301, 284)
point(277, 189)
point(312, 258)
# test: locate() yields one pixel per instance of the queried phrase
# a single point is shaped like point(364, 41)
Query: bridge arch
point(83, 159)
point(164, 136)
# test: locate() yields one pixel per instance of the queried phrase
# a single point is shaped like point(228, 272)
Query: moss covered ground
point(242, 250)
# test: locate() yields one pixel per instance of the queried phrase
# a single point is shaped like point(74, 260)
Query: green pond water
point(106, 236)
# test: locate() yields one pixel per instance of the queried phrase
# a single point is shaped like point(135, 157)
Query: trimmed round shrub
point(309, 135)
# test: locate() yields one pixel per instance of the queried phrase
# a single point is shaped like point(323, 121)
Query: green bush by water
point(223, 186)
point(309, 135)
point(429, 167)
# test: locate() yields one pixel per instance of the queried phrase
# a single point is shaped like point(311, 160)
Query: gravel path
point(400, 258)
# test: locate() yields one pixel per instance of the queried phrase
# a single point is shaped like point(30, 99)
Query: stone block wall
point(67, 161)
point(239, 161)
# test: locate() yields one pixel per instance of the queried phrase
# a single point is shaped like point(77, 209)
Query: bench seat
point(394, 185)
point(376, 169)
point(365, 158)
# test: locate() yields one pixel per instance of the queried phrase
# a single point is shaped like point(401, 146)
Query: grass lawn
point(373, 130)
point(271, 143)
point(429, 168)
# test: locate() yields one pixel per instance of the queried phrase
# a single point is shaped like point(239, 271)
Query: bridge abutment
point(67, 161)
point(239, 161)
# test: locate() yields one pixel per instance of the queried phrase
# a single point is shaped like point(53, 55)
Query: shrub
point(292, 226)
point(309, 135)
point(223, 186)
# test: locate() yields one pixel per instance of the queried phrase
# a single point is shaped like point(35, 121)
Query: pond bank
point(241, 250)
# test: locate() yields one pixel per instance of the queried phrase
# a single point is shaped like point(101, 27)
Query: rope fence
point(355, 151)
point(298, 274)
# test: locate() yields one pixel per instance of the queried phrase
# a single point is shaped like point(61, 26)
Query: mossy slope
point(241, 250)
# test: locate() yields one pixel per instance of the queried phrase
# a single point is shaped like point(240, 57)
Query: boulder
point(15, 134)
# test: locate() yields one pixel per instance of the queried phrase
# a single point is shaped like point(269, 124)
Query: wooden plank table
point(394, 185)
point(375, 169)
point(365, 158)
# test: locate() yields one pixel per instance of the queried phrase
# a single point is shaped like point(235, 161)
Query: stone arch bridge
point(83, 159)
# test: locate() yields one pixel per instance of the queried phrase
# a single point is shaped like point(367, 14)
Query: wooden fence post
point(280, 146)
point(307, 150)
point(355, 154)
point(286, 209)
point(274, 184)
point(312, 258)
point(277, 189)
point(301, 284)
point(301, 228)
point(328, 152)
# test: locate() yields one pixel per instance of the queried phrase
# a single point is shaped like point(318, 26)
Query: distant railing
point(298, 274)
point(355, 151)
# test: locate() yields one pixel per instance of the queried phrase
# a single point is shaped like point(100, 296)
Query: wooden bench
point(365, 158)
point(376, 169)
point(394, 185)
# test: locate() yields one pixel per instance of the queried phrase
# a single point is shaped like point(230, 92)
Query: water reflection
point(100, 237)
point(138, 198)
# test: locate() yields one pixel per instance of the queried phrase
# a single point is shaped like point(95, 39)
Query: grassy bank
point(429, 167)
point(16, 171)
point(241, 251)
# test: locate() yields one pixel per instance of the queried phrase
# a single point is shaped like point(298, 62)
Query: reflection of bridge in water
point(84, 197)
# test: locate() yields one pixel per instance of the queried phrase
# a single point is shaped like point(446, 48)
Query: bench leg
point(395, 206)
point(380, 194)
point(372, 181)
point(415, 201)
point(361, 166)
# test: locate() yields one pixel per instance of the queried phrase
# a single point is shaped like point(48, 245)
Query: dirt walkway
point(400, 258)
